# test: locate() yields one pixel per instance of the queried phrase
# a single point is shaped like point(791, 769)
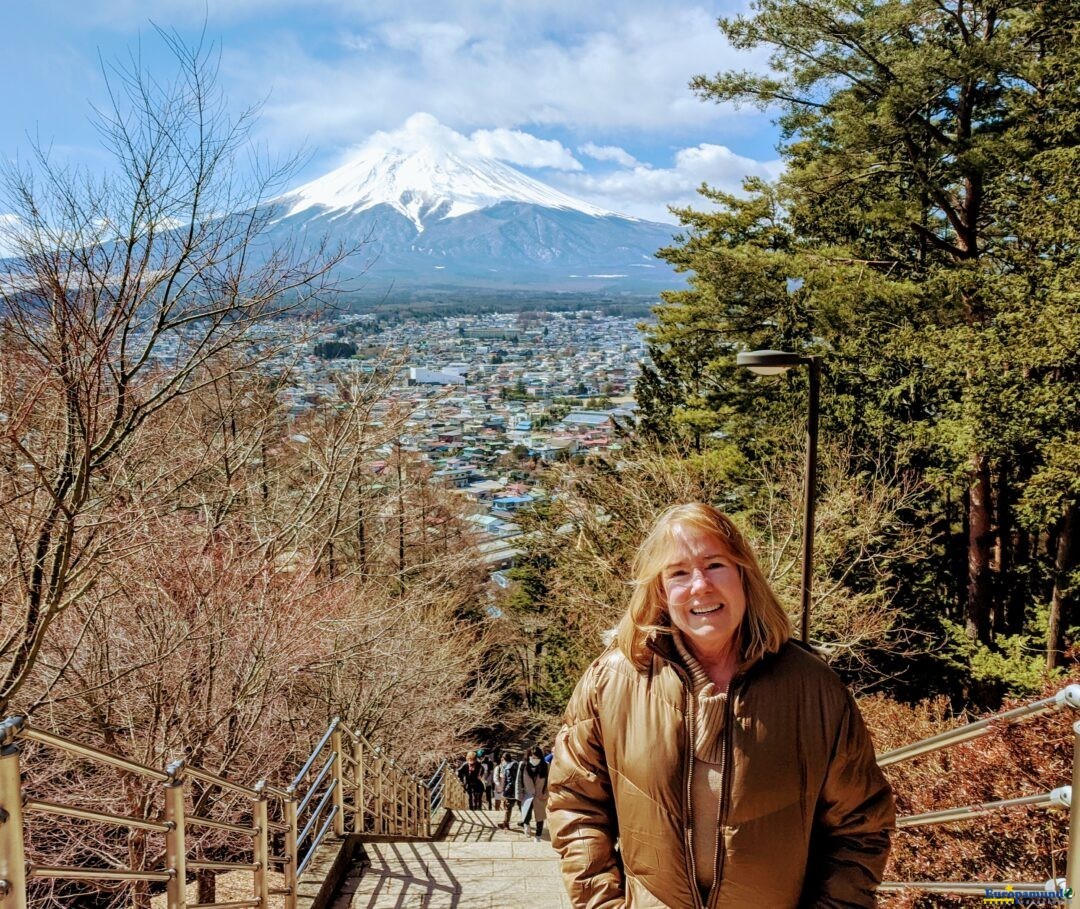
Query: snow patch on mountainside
point(422, 173)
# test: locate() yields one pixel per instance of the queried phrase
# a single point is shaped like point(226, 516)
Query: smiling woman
point(702, 584)
point(707, 743)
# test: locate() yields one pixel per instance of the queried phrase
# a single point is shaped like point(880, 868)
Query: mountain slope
point(431, 215)
point(429, 183)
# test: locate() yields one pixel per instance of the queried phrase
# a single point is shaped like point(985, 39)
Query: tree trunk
point(361, 535)
point(980, 539)
point(207, 883)
point(1004, 554)
point(400, 521)
point(1063, 564)
point(1019, 591)
point(140, 892)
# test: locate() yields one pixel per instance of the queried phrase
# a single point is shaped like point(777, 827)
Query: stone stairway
point(476, 866)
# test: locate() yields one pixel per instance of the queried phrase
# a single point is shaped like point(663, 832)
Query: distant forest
point(428, 305)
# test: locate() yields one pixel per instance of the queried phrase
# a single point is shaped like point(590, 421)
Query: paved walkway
point(477, 866)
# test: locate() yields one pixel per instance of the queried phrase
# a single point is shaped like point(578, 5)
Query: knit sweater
point(709, 709)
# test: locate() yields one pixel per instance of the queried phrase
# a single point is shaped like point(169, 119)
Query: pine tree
point(923, 238)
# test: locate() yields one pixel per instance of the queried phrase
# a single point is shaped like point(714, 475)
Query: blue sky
point(593, 101)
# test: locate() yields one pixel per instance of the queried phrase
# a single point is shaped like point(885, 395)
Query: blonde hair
point(765, 626)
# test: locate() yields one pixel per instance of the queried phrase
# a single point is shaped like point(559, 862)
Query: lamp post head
point(769, 362)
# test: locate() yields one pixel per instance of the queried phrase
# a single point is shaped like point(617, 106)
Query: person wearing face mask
point(533, 791)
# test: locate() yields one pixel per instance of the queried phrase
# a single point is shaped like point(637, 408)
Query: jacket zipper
point(725, 788)
point(688, 802)
point(725, 794)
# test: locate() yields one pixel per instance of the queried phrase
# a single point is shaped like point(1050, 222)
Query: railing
point(346, 786)
point(1060, 797)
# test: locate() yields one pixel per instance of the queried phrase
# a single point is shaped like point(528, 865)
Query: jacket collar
point(662, 645)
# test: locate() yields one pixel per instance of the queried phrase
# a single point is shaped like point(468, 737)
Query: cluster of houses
point(493, 396)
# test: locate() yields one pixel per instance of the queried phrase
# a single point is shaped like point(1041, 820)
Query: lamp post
point(771, 363)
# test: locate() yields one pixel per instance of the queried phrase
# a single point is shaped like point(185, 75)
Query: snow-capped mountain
point(425, 183)
point(434, 213)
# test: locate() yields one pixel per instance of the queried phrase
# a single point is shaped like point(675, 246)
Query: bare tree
point(126, 293)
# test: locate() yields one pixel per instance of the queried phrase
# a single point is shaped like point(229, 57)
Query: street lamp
point(772, 363)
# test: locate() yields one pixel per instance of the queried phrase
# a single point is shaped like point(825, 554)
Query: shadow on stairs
point(474, 864)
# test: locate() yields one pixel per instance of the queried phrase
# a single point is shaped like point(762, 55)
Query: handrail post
point(339, 776)
point(416, 807)
point(12, 849)
point(175, 845)
point(358, 786)
point(380, 813)
point(401, 814)
point(427, 811)
point(288, 807)
point(410, 789)
point(260, 815)
point(1072, 866)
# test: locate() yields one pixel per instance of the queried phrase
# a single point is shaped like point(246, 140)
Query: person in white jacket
point(532, 787)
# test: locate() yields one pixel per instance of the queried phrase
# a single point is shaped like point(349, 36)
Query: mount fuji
point(434, 215)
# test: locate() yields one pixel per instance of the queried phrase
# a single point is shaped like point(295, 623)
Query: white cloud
point(430, 40)
point(647, 191)
point(511, 145)
point(640, 190)
point(523, 149)
point(10, 226)
point(473, 65)
point(602, 78)
point(608, 153)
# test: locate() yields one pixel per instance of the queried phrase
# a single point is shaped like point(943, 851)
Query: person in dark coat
point(508, 769)
point(471, 775)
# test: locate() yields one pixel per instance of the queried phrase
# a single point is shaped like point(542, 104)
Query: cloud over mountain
point(623, 184)
point(432, 209)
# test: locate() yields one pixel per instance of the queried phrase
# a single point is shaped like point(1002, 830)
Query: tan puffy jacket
point(805, 812)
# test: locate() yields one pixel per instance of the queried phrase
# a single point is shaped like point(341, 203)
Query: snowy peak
point(420, 174)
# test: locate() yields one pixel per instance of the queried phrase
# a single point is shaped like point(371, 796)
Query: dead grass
point(235, 885)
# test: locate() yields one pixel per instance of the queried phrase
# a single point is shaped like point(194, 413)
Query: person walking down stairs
point(487, 777)
point(507, 772)
point(532, 785)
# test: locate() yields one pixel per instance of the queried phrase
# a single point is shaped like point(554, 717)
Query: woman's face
point(704, 592)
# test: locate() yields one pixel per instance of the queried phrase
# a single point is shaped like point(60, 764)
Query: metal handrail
point(86, 814)
point(223, 866)
point(363, 740)
point(94, 754)
point(303, 835)
point(382, 796)
point(221, 825)
point(970, 886)
point(213, 779)
point(234, 904)
point(437, 785)
point(96, 874)
point(314, 787)
point(1067, 697)
point(318, 839)
point(437, 776)
point(1058, 798)
point(299, 778)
